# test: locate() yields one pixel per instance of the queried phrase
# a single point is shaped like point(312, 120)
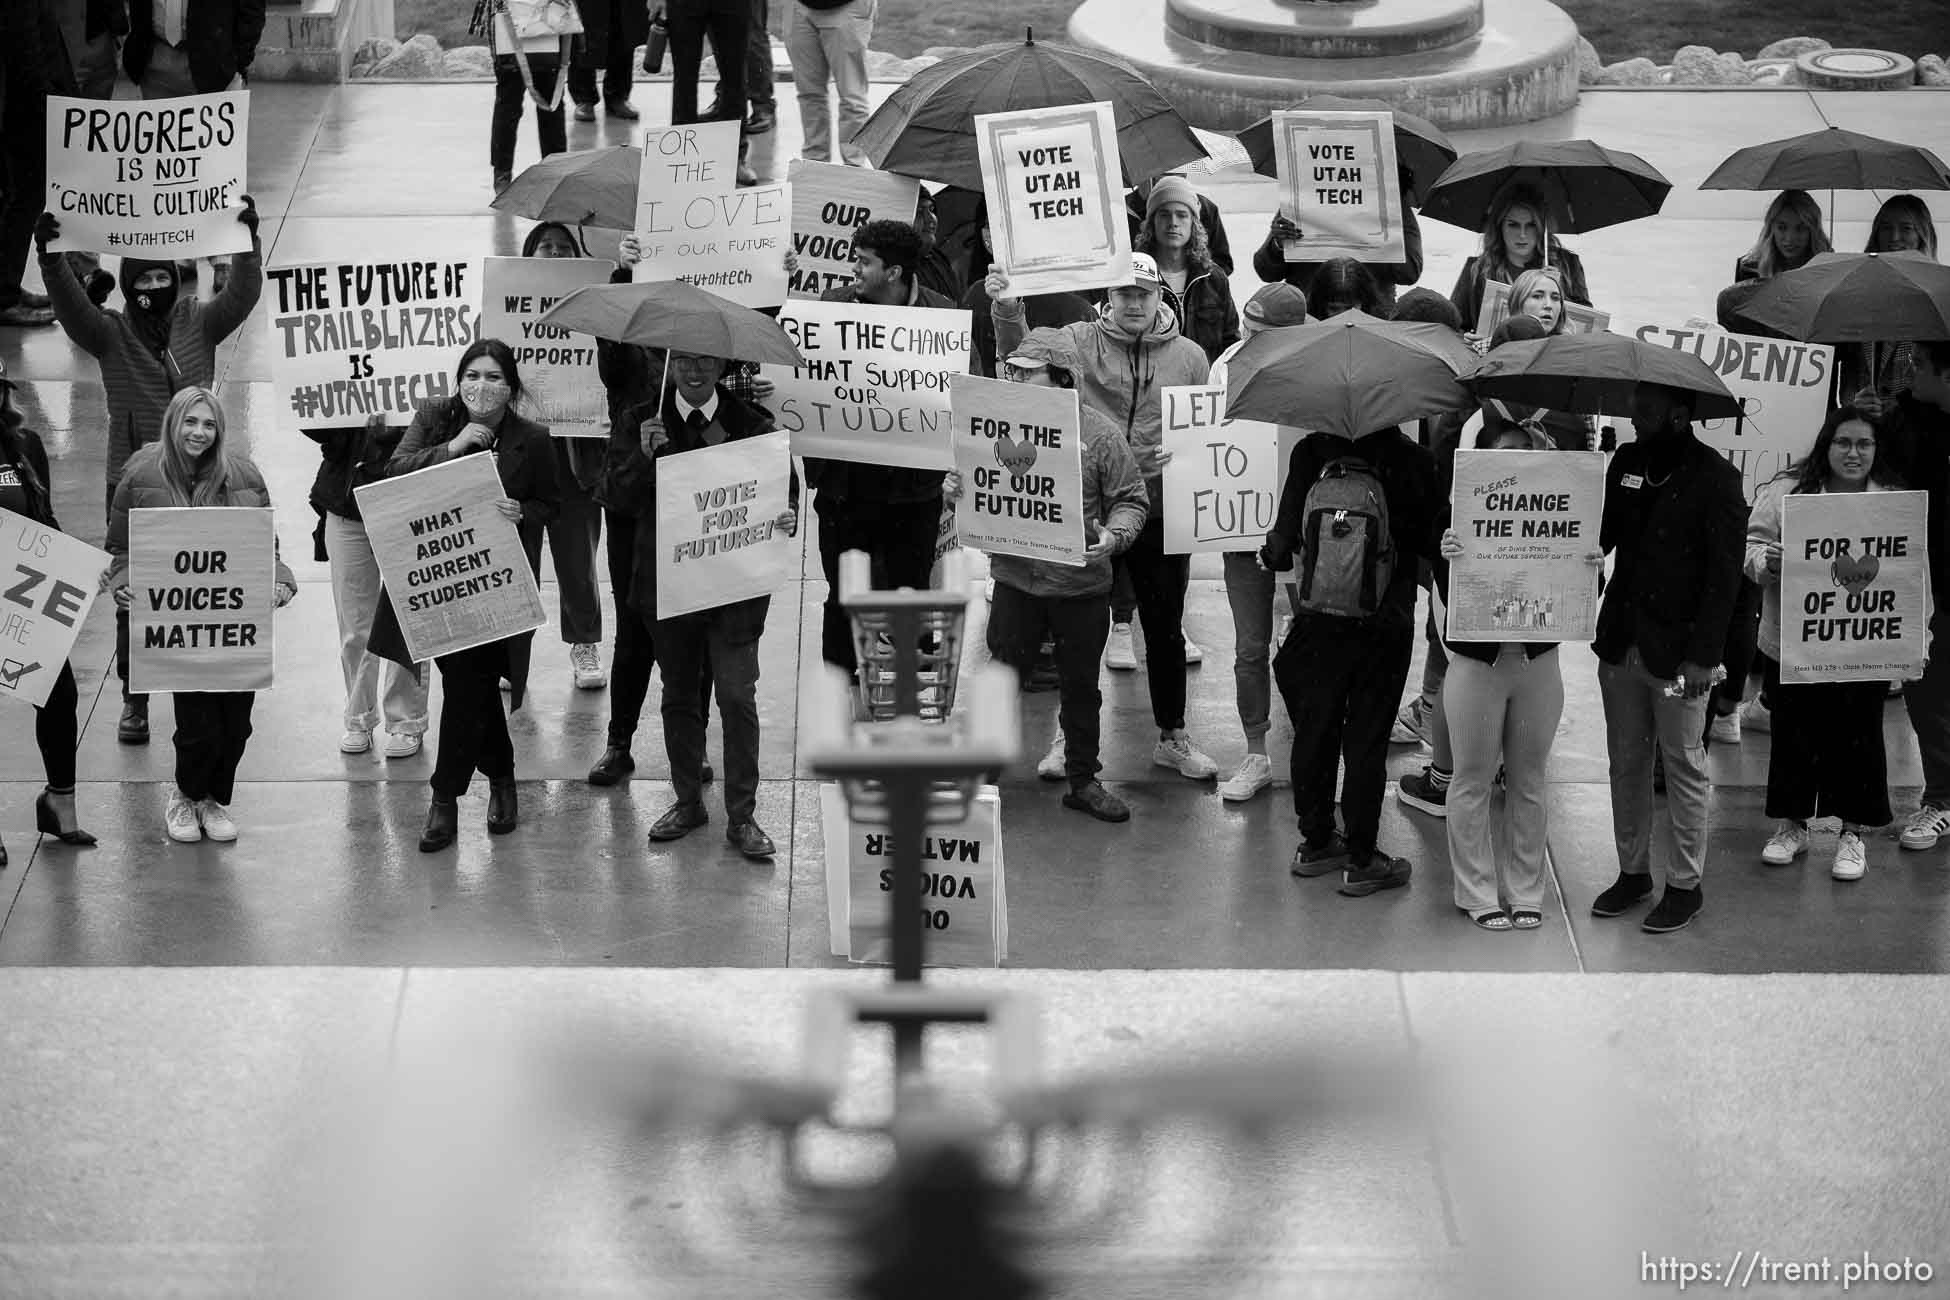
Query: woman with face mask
point(1516, 238)
point(190, 465)
point(473, 728)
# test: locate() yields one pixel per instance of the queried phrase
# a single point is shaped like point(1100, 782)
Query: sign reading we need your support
point(1528, 522)
point(1855, 586)
point(829, 203)
point(718, 540)
point(1053, 178)
point(558, 368)
point(152, 178)
point(48, 582)
point(352, 339)
point(1019, 451)
point(202, 585)
point(697, 225)
point(1339, 185)
point(875, 386)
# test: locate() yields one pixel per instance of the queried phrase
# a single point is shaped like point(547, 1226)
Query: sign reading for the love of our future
point(697, 225)
point(149, 178)
point(353, 339)
point(875, 386)
point(48, 582)
point(718, 540)
point(1339, 185)
point(453, 566)
point(830, 202)
point(558, 368)
point(1054, 182)
point(1222, 483)
point(1529, 523)
point(964, 895)
point(202, 586)
point(1019, 450)
point(1855, 586)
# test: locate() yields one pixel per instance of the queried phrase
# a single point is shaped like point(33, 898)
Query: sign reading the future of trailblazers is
point(149, 178)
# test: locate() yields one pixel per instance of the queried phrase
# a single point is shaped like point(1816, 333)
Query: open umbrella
point(1350, 376)
point(1419, 144)
point(927, 127)
point(674, 314)
point(1854, 298)
point(1585, 185)
point(596, 187)
point(1830, 159)
point(1591, 374)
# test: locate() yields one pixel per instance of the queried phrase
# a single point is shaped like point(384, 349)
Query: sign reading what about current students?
point(558, 368)
point(202, 588)
point(353, 339)
point(1054, 182)
point(1222, 483)
point(695, 223)
point(718, 541)
point(1339, 184)
point(964, 898)
point(829, 203)
point(149, 178)
point(875, 386)
point(1528, 521)
point(454, 568)
point(48, 583)
point(1019, 450)
point(1855, 586)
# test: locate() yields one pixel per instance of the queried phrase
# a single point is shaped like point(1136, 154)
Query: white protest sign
point(1019, 449)
point(1578, 318)
point(717, 536)
point(453, 567)
point(48, 583)
point(1339, 185)
point(1528, 520)
point(558, 368)
point(1054, 180)
point(1855, 586)
point(829, 203)
point(1222, 483)
point(697, 225)
point(149, 178)
point(202, 586)
point(874, 388)
point(352, 339)
point(964, 898)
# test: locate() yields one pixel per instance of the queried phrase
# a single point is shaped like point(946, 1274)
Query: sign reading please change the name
point(1019, 450)
point(718, 539)
point(1855, 586)
point(558, 368)
point(149, 178)
point(1339, 184)
point(875, 386)
point(202, 585)
point(1053, 178)
point(1528, 522)
point(48, 583)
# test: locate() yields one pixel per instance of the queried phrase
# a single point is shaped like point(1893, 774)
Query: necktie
point(698, 421)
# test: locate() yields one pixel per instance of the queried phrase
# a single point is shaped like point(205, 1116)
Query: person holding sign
point(1917, 426)
point(1516, 237)
point(1539, 294)
point(1270, 264)
point(480, 417)
point(1828, 757)
point(1195, 286)
point(191, 466)
point(1877, 372)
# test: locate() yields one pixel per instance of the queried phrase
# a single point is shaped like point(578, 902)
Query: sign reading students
point(1019, 450)
point(874, 388)
point(202, 585)
point(831, 201)
point(695, 223)
point(48, 583)
point(1855, 586)
point(1054, 181)
point(558, 369)
point(1339, 185)
point(154, 178)
point(1528, 521)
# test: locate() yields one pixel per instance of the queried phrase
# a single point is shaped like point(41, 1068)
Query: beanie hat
point(1171, 189)
point(1277, 304)
point(1518, 328)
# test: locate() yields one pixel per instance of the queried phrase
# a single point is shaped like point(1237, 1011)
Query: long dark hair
point(502, 355)
point(1342, 279)
point(534, 238)
point(1811, 474)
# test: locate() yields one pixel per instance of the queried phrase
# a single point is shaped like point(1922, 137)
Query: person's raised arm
point(87, 324)
point(230, 308)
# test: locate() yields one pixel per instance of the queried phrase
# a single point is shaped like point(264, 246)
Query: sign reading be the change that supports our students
point(717, 536)
point(964, 899)
point(149, 178)
point(829, 203)
point(202, 587)
point(558, 368)
point(696, 224)
point(1339, 185)
point(1019, 450)
point(48, 582)
point(353, 339)
point(1855, 586)
point(874, 388)
point(1053, 178)
point(1528, 522)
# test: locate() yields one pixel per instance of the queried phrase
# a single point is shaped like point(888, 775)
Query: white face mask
point(484, 398)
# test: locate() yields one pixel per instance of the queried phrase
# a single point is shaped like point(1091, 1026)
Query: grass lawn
point(1621, 29)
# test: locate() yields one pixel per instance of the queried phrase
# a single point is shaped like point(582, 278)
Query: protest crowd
point(1404, 483)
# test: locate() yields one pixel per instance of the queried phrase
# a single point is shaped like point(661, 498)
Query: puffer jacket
point(1113, 499)
point(143, 486)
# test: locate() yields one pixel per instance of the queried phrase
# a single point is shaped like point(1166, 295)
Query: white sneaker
point(402, 744)
point(587, 663)
point(1055, 764)
point(1120, 653)
point(1255, 774)
point(1851, 857)
point(1193, 655)
point(180, 818)
point(1725, 729)
point(1409, 728)
point(988, 590)
point(355, 741)
point(216, 821)
point(1755, 716)
point(1926, 826)
point(1788, 842)
point(1183, 755)
point(1286, 628)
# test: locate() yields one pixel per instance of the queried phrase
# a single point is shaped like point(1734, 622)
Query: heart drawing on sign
point(1854, 573)
point(1016, 457)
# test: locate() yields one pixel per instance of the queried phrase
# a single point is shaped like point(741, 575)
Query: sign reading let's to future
point(159, 178)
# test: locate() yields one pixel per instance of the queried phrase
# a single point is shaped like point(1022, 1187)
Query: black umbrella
point(1420, 145)
point(1585, 185)
point(1854, 298)
point(1592, 374)
point(1831, 159)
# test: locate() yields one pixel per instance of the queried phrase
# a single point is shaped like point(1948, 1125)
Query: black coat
point(599, 34)
point(1271, 266)
point(219, 39)
point(839, 482)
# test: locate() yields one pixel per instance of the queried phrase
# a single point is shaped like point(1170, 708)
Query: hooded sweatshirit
point(1113, 499)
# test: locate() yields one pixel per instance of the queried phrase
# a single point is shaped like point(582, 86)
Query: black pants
point(56, 729)
point(211, 730)
point(510, 93)
point(635, 654)
point(1341, 680)
point(618, 74)
point(692, 654)
point(729, 33)
point(901, 540)
point(1742, 644)
point(23, 181)
point(1158, 580)
point(121, 622)
point(759, 84)
point(1828, 758)
point(1080, 625)
point(473, 726)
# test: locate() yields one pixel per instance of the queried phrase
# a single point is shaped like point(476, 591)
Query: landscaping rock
point(468, 61)
point(1774, 72)
point(1591, 69)
point(420, 59)
point(1932, 71)
point(371, 51)
point(1701, 65)
point(1792, 47)
point(1631, 72)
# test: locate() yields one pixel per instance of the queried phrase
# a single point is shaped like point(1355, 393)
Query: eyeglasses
point(1846, 445)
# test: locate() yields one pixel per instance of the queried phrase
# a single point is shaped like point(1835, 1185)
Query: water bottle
point(653, 49)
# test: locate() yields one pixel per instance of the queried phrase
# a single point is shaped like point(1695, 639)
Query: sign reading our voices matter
point(202, 586)
point(558, 368)
point(698, 225)
point(830, 202)
point(964, 894)
point(1855, 586)
point(1019, 450)
point(1339, 184)
point(150, 178)
point(1053, 178)
point(48, 583)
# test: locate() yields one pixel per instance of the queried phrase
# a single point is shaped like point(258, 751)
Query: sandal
point(1523, 918)
point(1493, 920)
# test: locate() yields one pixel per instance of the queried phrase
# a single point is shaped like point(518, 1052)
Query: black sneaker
point(1676, 910)
point(1098, 802)
point(1310, 860)
point(1420, 792)
point(1622, 895)
point(1379, 872)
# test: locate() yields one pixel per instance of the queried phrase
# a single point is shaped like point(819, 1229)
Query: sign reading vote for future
point(558, 368)
point(829, 203)
point(1855, 586)
point(875, 384)
point(152, 178)
point(453, 567)
point(1222, 483)
point(1528, 522)
point(48, 582)
point(1019, 450)
point(697, 225)
point(352, 339)
point(718, 540)
point(1053, 178)
point(202, 585)
point(1339, 184)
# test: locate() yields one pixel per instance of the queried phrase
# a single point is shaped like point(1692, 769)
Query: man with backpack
point(1354, 520)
